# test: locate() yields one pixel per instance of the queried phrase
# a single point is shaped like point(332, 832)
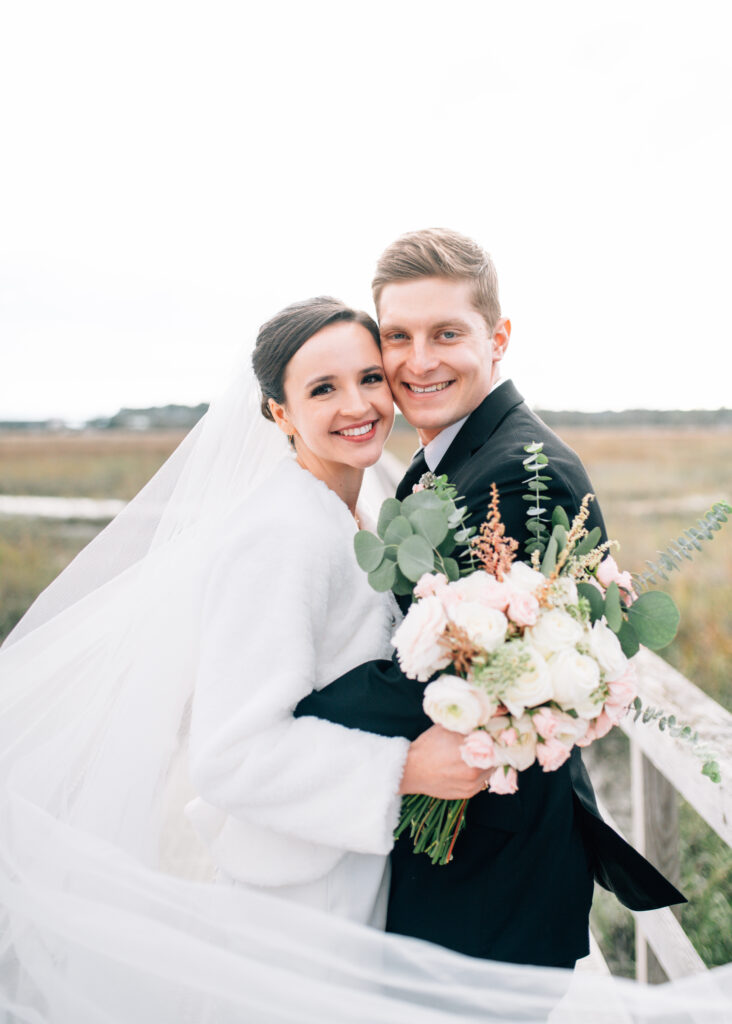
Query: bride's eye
point(373, 378)
point(321, 389)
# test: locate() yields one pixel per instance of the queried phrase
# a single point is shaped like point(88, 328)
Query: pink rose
point(623, 692)
point(482, 588)
point(608, 572)
point(478, 750)
point(508, 737)
point(430, 584)
point(551, 754)
point(545, 723)
point(523, 608)
point(599, 727)
point(504, 780)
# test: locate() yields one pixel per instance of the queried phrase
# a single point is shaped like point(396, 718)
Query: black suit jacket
point(519, 887)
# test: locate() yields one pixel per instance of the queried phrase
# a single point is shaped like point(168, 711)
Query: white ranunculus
point(554, 631)
point(522, 577)
point(564, 590)
point(454, 703)
point(485, 626)
point(417, 640)
point(575, 677)
point(531, 688)
point(605, 647)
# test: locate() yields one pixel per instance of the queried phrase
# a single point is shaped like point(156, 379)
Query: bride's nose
point(354, 402)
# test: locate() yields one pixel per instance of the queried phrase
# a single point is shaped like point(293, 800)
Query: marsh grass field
point(652, 484)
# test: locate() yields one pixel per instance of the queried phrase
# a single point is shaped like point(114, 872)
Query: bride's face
point(337, 402)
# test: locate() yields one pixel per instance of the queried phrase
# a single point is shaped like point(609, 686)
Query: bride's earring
point(291, 439)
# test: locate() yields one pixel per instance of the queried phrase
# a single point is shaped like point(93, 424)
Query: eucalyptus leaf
point(629, 642)
point(613, 609)
point(560, 517)
point(398, 530)
point(560, 535)
point(390, 509)
point(588, 542)
point(655, 619)
point(452, 569)
point(451, 541)
point(415, 557)
point(430, 524)
point(594, 598)
point(422, 499)
point(549, 561)
point(369, 550)
point(383, 578)
point(402, 587)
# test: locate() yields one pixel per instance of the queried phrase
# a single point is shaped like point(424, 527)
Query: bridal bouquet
point(527, 659)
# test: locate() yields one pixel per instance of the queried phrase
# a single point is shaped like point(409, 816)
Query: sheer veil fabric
point(107, 904)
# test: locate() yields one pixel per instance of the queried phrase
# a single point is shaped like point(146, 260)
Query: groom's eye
point(449, 335)
point(396, 336)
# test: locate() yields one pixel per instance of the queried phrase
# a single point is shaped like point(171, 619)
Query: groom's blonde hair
point(439, 252)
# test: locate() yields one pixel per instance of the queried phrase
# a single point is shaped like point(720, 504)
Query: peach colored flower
point(508, 737)
point(504, 780)
point(551, 754)
point(523, 608)
point(478, 750)
point(430, 584)
point(417, 640)
point(599, 727)
point(623, 692)
point(608, 572)
point(482, 588)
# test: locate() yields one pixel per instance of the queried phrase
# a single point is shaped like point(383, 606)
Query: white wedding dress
point(300, 807)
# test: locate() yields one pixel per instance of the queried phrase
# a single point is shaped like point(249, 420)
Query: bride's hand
point(434, 767)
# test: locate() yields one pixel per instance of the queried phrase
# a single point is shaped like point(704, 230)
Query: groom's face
point(440, 356)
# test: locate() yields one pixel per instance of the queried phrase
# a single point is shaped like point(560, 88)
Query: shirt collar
point(435, 451)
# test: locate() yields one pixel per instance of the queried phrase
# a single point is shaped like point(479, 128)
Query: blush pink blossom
point(545, 723)
point(430, 584)
point(623, 692)
point(508, 737)
point(551, 754)
point(523, 608)
point(478, 750)
point(599, 727)
point(504, 780)
point(608, 572)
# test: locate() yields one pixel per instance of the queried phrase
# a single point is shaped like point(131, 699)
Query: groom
point(519, 887)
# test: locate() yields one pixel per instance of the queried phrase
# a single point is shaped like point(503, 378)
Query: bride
point(147, 743)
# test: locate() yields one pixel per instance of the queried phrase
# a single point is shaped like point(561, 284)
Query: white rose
point(482, 588)
point(532, 687)
point(454, 704)
point(575, 677)
point(564, 591)
point(554, 631)
point(605, 647)
point(485, 626)
point(522, 577)
point(416, 640)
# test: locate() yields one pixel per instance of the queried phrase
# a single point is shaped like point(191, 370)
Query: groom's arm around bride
point(520, 885)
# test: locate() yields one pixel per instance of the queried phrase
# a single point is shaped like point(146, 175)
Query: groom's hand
point(434, 767)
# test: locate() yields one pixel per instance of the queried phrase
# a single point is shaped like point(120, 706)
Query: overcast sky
point(171, 173)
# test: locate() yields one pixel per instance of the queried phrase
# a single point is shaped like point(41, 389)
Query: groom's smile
point(440, 355)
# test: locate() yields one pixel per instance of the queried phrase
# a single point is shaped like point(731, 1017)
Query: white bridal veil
point(108, 913)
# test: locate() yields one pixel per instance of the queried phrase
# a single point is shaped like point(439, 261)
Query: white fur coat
point(286, 611)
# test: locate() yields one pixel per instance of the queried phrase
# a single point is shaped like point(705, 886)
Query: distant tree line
point(183, 417)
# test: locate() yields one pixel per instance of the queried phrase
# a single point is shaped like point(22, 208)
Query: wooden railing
point(660, 768)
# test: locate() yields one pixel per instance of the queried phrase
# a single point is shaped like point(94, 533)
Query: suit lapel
point(479, 427)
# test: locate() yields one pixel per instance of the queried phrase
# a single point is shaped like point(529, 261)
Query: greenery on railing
point(671, 559)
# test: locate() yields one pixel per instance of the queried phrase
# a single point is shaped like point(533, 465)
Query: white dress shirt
point(435, 451)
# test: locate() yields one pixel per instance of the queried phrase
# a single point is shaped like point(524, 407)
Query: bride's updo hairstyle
point(280, 338)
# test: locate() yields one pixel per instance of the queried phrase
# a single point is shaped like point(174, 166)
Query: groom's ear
point(500, 338)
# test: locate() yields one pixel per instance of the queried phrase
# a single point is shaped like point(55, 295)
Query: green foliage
point(664, 721)
point(415, 536)
point(594, 598)
point(684, 546)
point(655, 619)
point(537, 523)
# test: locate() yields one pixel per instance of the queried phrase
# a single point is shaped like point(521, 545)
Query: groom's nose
point(421, 357)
